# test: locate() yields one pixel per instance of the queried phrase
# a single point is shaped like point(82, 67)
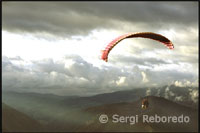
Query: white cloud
point(179, 98)
point(72, 75)
point(121, 81)
point(144, 77)
point(194, 95)
point(167, 93)
point(186, 83)
point(148, 92)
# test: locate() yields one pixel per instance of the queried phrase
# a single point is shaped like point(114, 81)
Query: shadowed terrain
point(75, 113)
point(157, 105)
point(15, 121)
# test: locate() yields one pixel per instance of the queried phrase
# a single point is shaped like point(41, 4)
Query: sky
point(55, 47)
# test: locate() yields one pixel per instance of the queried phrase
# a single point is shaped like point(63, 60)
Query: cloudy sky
point(55, 47)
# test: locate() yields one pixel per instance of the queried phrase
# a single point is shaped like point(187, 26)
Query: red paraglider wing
point(149, 35)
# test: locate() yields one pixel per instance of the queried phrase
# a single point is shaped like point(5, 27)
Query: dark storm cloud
point(79, 18)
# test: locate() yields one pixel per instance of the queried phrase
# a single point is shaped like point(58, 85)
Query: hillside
point(157, 106)
point(15, 121)
point(74, 113)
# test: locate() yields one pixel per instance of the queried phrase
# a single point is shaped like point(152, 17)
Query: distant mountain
point(99, 99)
point(179, 95)
point(157, 106)
point(67, 113)
point(42, 107)
point(105, 98)
point(15, 121)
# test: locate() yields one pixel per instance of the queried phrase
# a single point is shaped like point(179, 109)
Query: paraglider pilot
point(145, 103)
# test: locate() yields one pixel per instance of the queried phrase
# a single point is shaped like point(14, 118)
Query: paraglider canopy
point(149, 35)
